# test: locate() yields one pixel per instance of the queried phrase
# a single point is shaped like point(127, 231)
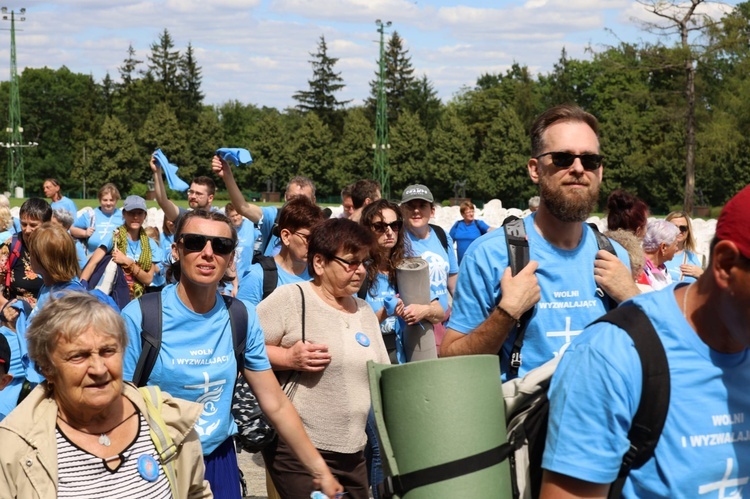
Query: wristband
point(505, 312)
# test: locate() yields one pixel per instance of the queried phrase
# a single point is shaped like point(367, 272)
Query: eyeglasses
point(351, 266)
point(589, 162)
point(380, 227)
point(304, 237)
point(196, 242)
point(683, 228)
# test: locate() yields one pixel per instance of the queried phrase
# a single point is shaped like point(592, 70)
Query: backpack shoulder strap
point(238, 320)
point(270, 274)
point(479, 227)
point(517, 244)
point(150, 337)
point(164, 444)
point(604, 243)
point(15, 254)
point(441, 235)
point(648, 421)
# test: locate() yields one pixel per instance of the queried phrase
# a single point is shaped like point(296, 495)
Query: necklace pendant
point(104, 440)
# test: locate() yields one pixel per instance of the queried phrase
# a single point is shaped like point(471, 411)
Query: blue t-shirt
point(196, 361)
point(243, 254)
point(673, 266)
point(251, 283)
point(9, 395)
point(465, 234)
point(392, 324)
point(133, 251)
point(266, 225)
point(442, 263)
point(704, 449)
point(104, 225)
point(568, 303)
point(65, 204)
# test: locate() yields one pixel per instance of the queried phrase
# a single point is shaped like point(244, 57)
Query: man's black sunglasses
point(590, 162)
point(196, 242)
point(381, 226)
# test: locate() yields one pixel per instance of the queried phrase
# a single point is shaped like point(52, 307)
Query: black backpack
point(518, 257)
point(527, 412)
point(254, 431)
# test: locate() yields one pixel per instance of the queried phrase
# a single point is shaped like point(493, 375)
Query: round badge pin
point(148, 468)
point(362, 339)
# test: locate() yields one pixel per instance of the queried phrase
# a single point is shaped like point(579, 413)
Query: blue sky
point(257, 51)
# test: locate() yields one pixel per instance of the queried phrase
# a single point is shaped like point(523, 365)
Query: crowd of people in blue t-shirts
point(121, 343)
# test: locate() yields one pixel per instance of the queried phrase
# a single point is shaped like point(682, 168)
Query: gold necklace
point(103, 438)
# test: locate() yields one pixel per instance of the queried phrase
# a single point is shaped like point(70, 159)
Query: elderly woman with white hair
point(659, 246)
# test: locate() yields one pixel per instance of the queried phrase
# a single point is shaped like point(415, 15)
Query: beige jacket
point(28, 448)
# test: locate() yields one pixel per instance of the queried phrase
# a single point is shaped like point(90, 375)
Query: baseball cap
point(4, 352)
point(733, 222)
point(417, 191)
point(134, 203)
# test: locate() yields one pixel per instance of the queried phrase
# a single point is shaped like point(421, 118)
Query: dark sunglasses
point(590, 162)
point(196, 242)
point(683, 228)
point(381, 226)
point(351, 266)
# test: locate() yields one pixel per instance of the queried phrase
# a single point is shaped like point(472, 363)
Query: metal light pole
point(15, 143)
point(381, 168)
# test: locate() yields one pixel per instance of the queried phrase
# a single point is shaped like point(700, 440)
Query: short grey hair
point(658, 232)
point(534, 202)
point(67, 316)
point(63, 216)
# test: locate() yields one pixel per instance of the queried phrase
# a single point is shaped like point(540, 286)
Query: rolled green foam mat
point(433, 412)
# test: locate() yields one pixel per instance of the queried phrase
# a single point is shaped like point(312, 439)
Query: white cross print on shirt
point(207, 385)
point(567, 333)
point(725, 483)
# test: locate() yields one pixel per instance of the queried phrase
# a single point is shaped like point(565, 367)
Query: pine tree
point(163, 66)
point(399, 78)
point(189, 79)
point(325, 82)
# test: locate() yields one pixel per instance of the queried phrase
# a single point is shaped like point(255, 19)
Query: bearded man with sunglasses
point(567, 274)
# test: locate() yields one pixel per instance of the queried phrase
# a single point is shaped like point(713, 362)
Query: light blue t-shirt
point(673, 266)
point(442, 263)
point(392, 324)
point(196, 361)
point(704, 449)
point(464, 235)
point(104, 225)
point(251, 283)
point(9, 396)
point(569, 299)
point(67, 204)
point(133, 251)
point(266, 225)
point(243, 254)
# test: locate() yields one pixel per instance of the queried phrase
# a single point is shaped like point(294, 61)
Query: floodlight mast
point(381, 167)
point(15, 144)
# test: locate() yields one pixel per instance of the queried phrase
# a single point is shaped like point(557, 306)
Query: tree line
point(104, 131)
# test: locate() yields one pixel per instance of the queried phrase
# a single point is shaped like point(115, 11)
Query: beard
point(568, 206)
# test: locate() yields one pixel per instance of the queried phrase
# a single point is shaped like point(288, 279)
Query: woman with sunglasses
point(384, 218)
point(687, 263)
point(130, 247)
point(329, 388)
point(196, 359)
point(296, 220)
